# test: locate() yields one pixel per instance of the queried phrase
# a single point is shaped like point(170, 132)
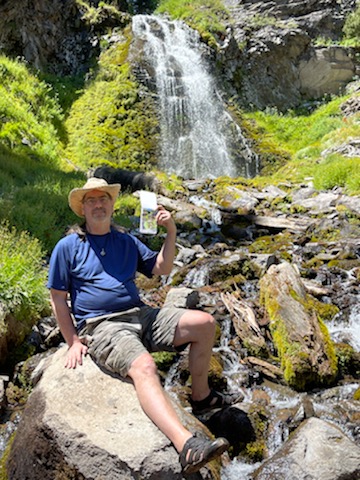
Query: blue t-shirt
point(98, 284)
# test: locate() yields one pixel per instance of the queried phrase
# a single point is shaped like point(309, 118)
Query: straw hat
point(76, 195)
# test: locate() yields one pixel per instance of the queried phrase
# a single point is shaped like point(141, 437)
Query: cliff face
point(272, 57)
point(49, 35)
point(268, 57)
point(56, 36)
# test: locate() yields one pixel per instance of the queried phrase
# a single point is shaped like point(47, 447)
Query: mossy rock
point(301, 338)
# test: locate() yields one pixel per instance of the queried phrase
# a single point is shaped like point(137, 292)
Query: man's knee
point(204, 323)
point(143, 366)
point(207, 320)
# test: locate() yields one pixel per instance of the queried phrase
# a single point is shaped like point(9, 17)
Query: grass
point(30, 117)
point(208, 17)
point(305, 139)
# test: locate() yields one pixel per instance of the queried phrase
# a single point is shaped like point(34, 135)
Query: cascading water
point(198, 136)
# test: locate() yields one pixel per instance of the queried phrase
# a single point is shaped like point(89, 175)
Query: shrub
point(351, 27)
point(22, 275)
point(338, 171)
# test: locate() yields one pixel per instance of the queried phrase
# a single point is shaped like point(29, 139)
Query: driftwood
point(244, 321)
point(265, 368)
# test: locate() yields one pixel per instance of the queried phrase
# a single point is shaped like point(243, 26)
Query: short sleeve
point(59, 267)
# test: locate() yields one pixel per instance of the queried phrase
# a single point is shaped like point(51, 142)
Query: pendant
point(103, 253)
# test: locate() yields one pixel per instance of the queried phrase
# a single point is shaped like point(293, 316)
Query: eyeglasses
point(92, 201)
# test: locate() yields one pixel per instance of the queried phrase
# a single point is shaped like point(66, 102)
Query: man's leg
point(198, 329)
point(154, 401)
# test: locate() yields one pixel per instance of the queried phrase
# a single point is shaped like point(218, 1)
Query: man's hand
point(75, 354)
point(164, 219)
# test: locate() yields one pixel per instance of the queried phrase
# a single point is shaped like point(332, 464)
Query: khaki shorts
point(116, 340)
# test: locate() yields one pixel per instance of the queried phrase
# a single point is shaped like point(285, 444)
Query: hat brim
point(76, 196)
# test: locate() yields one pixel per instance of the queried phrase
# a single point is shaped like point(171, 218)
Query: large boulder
point(86, 424)
point(317, 450)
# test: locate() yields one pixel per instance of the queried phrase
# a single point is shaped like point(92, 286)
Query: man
point(96, 264)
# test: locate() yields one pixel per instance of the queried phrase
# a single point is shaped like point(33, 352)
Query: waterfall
point(199, 138)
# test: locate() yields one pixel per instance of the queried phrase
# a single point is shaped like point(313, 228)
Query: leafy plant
point(22, 275)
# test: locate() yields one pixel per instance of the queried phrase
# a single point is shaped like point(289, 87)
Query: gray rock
point(183, 297)
point(87, 424)
point(324, 202)
point(316, 451)
point(326, 71)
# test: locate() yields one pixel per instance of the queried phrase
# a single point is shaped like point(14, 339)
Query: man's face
point(97, 206)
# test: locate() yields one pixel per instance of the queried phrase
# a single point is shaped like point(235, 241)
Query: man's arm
point(165, 258)
point(61, 310)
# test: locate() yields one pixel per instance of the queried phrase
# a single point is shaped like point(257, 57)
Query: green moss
point(255, 451)
point(324, 311)
point(295, 362)
point(164, 360)
point(279, 244)
point(4, 458)
point(348, 360)
point(208, 17)
point(111, 122)
point(357, 394)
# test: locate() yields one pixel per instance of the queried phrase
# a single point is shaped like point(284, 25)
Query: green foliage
point(110, 123)
point(293, 131)
point(30, 117)
point(338, 171)
point(103, 15)
point(208, 17)
point(351, 28)
point(22, 275)
point(65, 90)
point(302, 138)
point(357, 394)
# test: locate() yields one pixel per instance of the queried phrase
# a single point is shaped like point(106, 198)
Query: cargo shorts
point(116, 340)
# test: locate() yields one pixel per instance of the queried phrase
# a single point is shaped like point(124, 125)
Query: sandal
point(198, 451)
point(212, 401)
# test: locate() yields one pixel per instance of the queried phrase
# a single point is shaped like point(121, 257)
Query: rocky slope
point(229, 264)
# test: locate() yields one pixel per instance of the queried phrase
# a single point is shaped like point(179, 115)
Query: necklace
point(99, 247)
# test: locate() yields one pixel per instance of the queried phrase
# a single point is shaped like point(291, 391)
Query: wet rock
point(235, 425)
point(316, 450)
